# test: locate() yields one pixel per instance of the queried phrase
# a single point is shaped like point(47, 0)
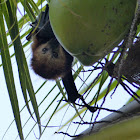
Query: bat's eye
point(44, 50)
point(55, 54)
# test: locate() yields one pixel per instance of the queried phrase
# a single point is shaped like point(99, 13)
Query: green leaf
point(9, 76)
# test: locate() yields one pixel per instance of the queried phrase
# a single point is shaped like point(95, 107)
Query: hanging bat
point(50, 60)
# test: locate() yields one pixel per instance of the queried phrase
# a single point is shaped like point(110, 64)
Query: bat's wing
point(70, 87)
point(72, 92)
point(41, 27)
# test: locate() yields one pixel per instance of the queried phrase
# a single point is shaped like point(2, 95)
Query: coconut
point(90, 29)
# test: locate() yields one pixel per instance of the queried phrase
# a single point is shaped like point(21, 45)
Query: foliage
point(92, 82)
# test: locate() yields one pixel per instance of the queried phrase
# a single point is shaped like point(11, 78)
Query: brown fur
point(45, 64)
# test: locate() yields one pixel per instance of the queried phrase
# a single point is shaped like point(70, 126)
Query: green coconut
point(89, 29)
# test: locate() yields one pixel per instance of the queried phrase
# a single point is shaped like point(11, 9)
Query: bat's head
point(50, 60)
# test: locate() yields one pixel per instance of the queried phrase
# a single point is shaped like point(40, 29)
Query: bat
point(50, 60)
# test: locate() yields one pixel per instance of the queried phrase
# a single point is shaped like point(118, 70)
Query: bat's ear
point(41, 27)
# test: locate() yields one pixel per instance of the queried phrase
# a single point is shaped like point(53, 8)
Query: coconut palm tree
point(45, 101)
